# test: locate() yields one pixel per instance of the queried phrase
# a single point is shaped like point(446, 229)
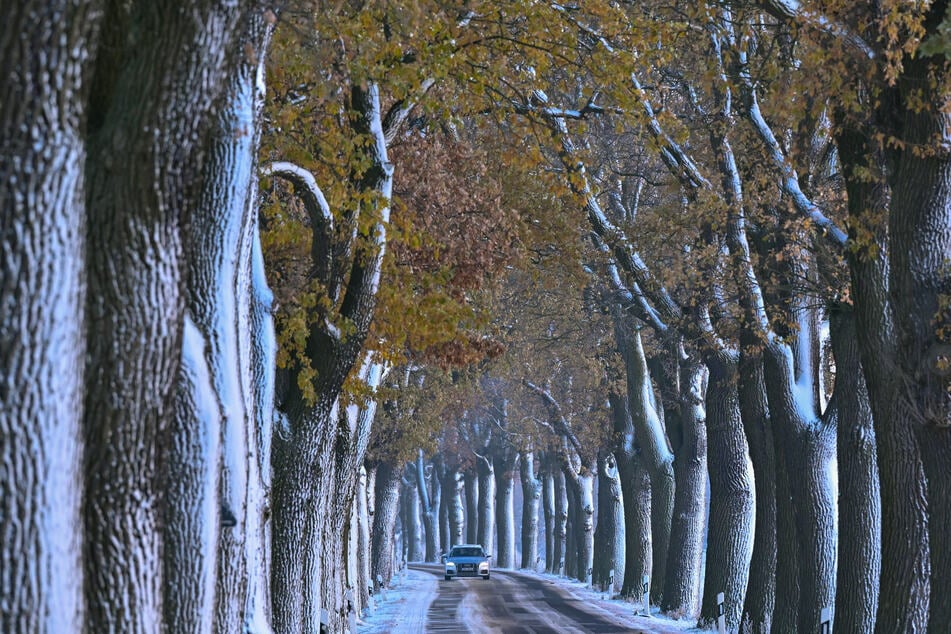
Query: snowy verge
point(405, 603)
point(623, 610)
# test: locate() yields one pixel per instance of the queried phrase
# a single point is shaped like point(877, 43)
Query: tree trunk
point(412, 525)
point(141, 191)
point(761, 591)
point(486, 533)
point(192, 508)
point(427, 510)
point(47, 50)
point(503, 468)
point(809, 447)
point(363, 580)
point(636, 492)
point(656, 451)
point(388, 479)
point(454, 494)
point(219, 288)
point(579, 481)
point(859, 554)
point(681, 593)
point(609, 534)
point(548, 506)
point(561, 522)
point(732, 499)
point(531, 496)
point(472, 505)
point(919, 287)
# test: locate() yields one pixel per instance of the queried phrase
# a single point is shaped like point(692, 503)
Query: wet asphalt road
point(510, 603)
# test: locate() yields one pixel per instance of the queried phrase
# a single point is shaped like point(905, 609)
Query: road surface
point(512, 603)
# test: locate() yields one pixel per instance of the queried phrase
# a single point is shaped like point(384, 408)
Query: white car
point(466, 560)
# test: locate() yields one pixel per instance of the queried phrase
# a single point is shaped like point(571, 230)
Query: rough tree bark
point(732, 498)
point(388, 480)
point(561, 522)
point(609, 534)
point(47, 48)
point(860, 528)
point(141, 192)
point(471, 478)
point(548, 507)
point(486, 515)
point(191, 528)
point(531, 496)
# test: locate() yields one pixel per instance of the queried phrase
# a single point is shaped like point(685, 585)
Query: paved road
point(511, 603)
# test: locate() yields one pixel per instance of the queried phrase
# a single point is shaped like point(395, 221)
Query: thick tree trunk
point(472, 505)
point(904, 589)
point(388, 480)
point(428, 511)
point(561, 522)
point(486, 532)
point(919, 227)
point(685, 556)
point(656, 452)
point(808, 444)
point(412, 523)
point(531, 496)
point(636, 492)
point(761, 590)
point(503, 467)
point(363, 580)
point(548, 506)
point(47, 49)
point(732, 498)
point(859, 557)
point(609, 534)
point(452, 487)
point(219, 298)
point(192, 509)
point(141, 191)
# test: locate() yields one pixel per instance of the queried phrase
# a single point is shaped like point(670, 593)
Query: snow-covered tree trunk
point(531, 496)
point(732, 498)
point(472, 505)
point(219, 298)
point(413, 538)
point(486, 515)
point(761, 591)
point(609, 534)
point(388, 481)
point(362, 546)
point(860, 529)
point(452, 487)
point(636, 493)
point(504, 471)
point(191, 529)
point(48, 47)
point(688, 433)
point(428, 511)
point(140, 195)
point(548, 507)
point(655, 450)
point(808, 443)
point(561, 522)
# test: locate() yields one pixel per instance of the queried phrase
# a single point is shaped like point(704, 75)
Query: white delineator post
point(825, 621)
point(721, 615)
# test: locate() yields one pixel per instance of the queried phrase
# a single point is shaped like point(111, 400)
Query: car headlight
point(450, 564)
point(483, 566)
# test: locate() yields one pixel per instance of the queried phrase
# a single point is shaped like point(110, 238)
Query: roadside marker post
point(721, 615)
point(645, 581)
point(588, 580)
point(825, 621)
point(324, 622)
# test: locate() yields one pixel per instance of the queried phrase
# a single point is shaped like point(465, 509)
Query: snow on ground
point(403, 607)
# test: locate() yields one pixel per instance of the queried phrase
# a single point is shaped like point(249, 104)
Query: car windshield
point(466, 552)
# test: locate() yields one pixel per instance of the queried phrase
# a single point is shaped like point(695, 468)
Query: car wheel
point(448, 577)
point(485, 577)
